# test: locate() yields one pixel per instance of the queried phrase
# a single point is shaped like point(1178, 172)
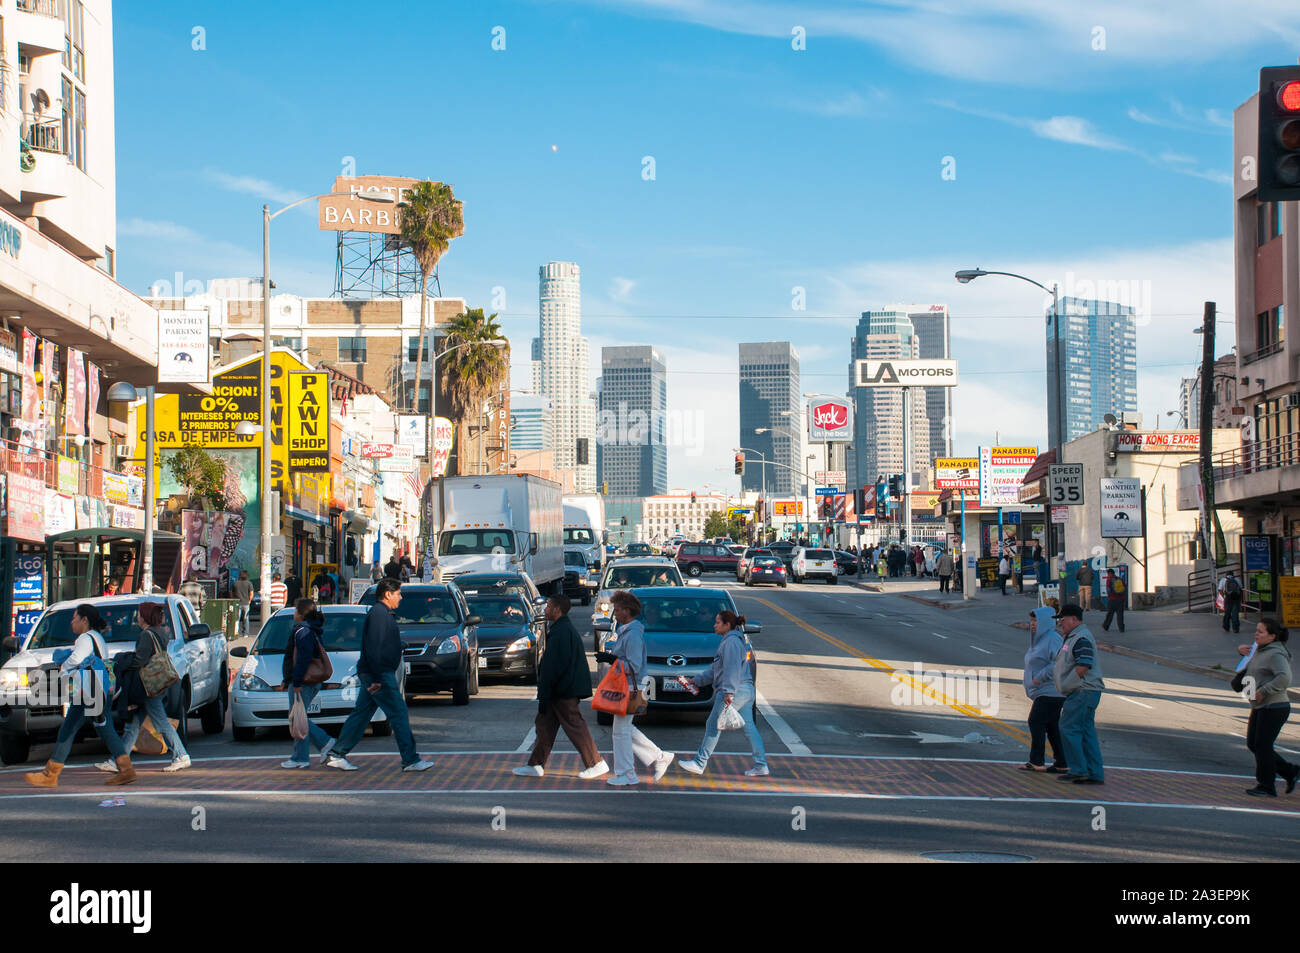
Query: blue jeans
point(743, 702)
point(72, 723)
point(315, 733)
point(388, 698)
point(1232, 613)
point(158, 715)
point(1079, 734)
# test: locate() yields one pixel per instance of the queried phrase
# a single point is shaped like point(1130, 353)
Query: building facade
point(1227, 412)
point(1098, 366)
point(932, 333)
point(531, 423)
point(665, 515)
point(561, 369)
point(631, 449)
point(771, 417)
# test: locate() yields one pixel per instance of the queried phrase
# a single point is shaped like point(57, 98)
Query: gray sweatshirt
point(630, 647)
point(732, 667)
point(1043, 648)
point(1271, 670)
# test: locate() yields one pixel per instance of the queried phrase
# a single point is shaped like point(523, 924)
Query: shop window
point(352, 350)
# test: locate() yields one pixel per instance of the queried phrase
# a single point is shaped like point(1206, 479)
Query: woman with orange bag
point(630, 745)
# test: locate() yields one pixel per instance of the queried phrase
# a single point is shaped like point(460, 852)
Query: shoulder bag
point(158, 674)
point(320, 668)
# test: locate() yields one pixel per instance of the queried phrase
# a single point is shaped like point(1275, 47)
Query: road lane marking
point(527, 743)
point(952, 703)
point(941, 636)
point(978, 649)
point(908, 624)
point(1132, 702)
point(782, 728)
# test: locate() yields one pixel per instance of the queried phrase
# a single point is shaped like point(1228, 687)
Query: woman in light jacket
point(87, 655)
point(732, 678)
point(306, 640)
point(1266, 679)
point(630, 745)
point(1040, 686)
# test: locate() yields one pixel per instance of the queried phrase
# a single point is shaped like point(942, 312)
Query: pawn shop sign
point(308, 411)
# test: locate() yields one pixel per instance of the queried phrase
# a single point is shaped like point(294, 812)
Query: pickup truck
point(198, 654)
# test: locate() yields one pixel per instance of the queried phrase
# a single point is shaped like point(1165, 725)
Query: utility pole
point(907, 465)
point(1210, 514)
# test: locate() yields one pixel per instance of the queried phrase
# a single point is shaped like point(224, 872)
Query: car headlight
point(520, 645)
point(12, 678)
point(254, 683)
point(605, 608)
point(449, 645)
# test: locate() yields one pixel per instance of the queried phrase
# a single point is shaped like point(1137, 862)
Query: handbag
point(158, 674)
point(614, 695)
point(298, 718)
point(319, 669)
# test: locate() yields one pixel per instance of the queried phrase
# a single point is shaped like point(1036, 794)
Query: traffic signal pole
point(907, 464)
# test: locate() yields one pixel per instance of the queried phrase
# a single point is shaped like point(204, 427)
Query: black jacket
point(563, 672)
point(381, 645)
point(305, 642)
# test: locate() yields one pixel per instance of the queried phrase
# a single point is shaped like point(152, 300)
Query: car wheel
point(784, 584)
point(381, 729)
point(243, 734)
point(460, 693)
point(14, 748)
point(694, 570)
point(212, 716)
point(604, 718)
point(182, 716)
point(834, 580)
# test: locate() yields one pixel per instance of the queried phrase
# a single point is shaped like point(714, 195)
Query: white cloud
point(620, 288)
point(1073, 129)
point(250, 185)
point(145, 228)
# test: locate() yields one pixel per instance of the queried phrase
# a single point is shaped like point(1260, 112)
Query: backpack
point(1117, 585)
point(1231, 587)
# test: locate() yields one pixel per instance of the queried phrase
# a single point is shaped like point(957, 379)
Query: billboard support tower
point(377, 265)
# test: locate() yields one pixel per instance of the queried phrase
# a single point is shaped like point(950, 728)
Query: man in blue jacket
point(381, 654)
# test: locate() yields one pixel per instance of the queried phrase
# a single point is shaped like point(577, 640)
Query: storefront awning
point(306, 516)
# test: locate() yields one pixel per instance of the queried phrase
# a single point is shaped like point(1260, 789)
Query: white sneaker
point(661, 766)
point(530, 771)
point(295, 764)
point(692, 766)
point(623, 782)
point(758, 771)
point(420, 765)
point(109, 766)
point(180, 764)
point(343, 764)
point(595, 771)
point(325, 752)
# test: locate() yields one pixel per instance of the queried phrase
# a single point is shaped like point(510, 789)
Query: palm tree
point(473, 372)
point(429, 219)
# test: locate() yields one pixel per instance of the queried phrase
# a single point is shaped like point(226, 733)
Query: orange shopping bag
point(613, 696)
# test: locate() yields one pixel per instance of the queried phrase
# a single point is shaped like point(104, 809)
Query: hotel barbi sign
point(346, 211)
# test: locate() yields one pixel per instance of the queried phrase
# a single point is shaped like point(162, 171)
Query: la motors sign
point(830, 419)
point(931, 373)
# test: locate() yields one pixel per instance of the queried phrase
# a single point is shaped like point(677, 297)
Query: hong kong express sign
point(830, 420)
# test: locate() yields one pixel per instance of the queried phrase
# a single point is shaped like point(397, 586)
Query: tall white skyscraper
point(560, 369)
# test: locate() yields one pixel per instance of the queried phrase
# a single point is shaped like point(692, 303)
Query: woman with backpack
point(86, 660)
point(304, 647)
point(1230, 589)
point(154, 636)
point(732, 678)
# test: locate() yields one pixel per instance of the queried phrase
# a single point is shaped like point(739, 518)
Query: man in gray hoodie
point(1040, 685)
point(1077, 673)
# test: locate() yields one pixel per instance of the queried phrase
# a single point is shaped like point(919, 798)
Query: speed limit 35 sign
point(1065, 484)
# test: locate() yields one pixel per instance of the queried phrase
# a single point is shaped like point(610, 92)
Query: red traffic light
point(1288, 97)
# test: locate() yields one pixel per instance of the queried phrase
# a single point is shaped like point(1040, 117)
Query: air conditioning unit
point(1291, 400)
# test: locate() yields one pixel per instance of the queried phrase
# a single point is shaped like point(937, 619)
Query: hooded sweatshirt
point(1039, 681)
point(734, 664)
point(305, 636)
point(1271, 670)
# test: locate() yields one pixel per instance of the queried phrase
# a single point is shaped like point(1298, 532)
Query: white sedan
point(256, 700)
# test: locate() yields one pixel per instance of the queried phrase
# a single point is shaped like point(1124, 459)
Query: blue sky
point(1088, 146)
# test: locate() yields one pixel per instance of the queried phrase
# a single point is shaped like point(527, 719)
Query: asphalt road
point(845, 675)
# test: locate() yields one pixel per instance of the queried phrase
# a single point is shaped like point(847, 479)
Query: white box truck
point(584, 526)
point(501, 523)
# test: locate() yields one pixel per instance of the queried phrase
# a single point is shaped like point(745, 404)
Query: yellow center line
point(967, 710)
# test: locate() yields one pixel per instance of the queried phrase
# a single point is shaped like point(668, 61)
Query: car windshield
point(767, 561)
point(575, 559)
point(463, 542)
point(491, 587)
point(638, 548)
point(818, 554)
point(628, 577)
point(578, 536)
point(682, 615)
point(426, 607)
point(498, 610)
point(55, 628)
point(342, 633)
point(756, 552)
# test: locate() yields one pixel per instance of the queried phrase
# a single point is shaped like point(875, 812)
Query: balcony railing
point(1271, 454)
point(45, 8)
point(1262, 353)
point(44, 135)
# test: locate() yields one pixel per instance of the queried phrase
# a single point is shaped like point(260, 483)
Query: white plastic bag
point(729, 719)
point(298, 727)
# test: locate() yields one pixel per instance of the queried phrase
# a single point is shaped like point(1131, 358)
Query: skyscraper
point(560, 369)
point(931, 325)
point(631, 452)
point(531, 423)
point(1098, 373)
point(877, 448)
point(771, 416)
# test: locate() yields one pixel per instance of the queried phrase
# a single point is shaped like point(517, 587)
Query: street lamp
point(124, 391)
point(369, 195)
point(767, 504)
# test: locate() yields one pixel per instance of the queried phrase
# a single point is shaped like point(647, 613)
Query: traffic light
point(860, 500)
point(582, 451)
point(740, 463)
point(896, 487)
point(692, 497)
point(604, 488)
point(1279, 134)
point(624, 520)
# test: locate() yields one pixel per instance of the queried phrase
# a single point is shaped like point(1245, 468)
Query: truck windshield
point(578, 536)
point(464, 542)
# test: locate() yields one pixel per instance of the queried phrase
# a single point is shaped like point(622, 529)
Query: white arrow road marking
point(1132, 702)
point(783, 731)
point(978, 649)
point(527, 743)
point(925, 737)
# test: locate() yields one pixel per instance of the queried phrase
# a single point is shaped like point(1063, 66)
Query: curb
point(936, 603)
point(1162, 660)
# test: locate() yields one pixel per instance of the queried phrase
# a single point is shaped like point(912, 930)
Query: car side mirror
point(240, 651)
point(532, 544)
point(539, 601)
point(474, 620)
point(199, 630)
point(753, 628)
point(603, 625)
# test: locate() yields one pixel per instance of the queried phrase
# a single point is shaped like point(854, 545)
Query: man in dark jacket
point(381, 656)
point(563, 680)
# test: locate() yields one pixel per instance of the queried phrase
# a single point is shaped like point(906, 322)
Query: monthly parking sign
point(1121, 507)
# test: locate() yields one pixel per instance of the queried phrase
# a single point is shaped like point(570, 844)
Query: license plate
point(408, 668)
point(819, 565)
point(482, 662)
point(672, 685)
point(314, 707)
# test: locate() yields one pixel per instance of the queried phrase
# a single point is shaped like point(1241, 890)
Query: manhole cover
point(976, 856)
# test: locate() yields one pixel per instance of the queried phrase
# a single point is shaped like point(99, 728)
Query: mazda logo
point(676, 660)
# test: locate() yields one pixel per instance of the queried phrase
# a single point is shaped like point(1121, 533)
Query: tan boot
point(48, 777)
point(125, 773)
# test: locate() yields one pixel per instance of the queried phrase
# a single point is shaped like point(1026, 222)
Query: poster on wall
point(26, 508)
point(238, 544)
point(74, 406)
point(1121, 507)
point(31, 396)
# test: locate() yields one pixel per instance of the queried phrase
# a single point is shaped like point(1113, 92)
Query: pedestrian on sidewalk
point(306, 642)
point(1084, 576)
point(243, 590)
point(1004, 572)
point(381, 656)
point(732, 677)
point(279, 595)
point(563, 680)
point(944, 569)
point(292, 589)
point(192, 590)
point(1230, 589)
point(1077, 675)
point(1116, 593)
point(151, 618)
point(87, 657)
point(1268, 674)
point(630, 745)
point(1040, 685)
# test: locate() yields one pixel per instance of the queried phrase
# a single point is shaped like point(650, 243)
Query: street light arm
point(1012, 274)
point(324, 195)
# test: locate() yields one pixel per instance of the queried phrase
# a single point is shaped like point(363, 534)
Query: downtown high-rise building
point(560, 370)
point(931, 325)
point(531, 419)
point(1098, 365)
point(877, 448)
point(771, 417)
point(631, 449)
